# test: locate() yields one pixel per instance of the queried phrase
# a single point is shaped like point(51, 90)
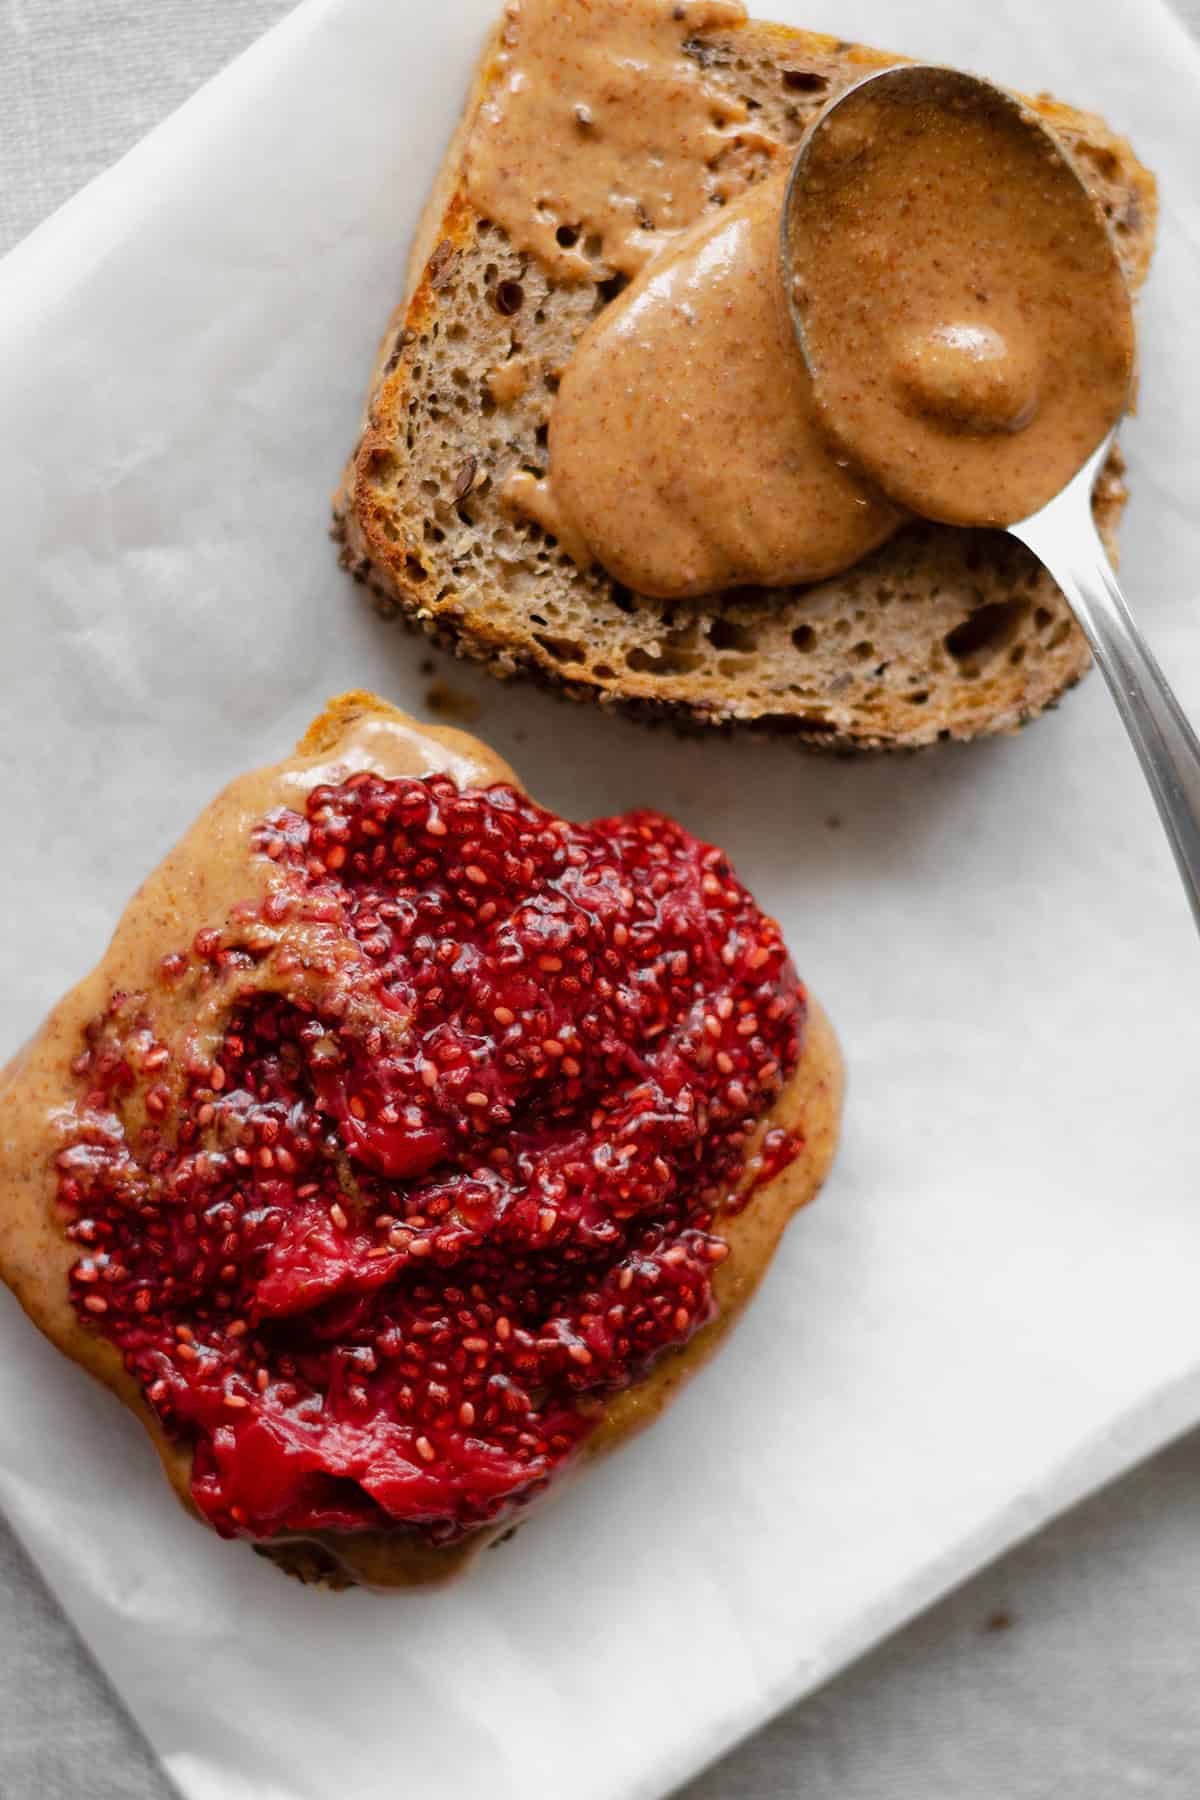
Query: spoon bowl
point(957, 295)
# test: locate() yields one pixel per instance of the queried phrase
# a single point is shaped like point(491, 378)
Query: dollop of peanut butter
point(685, 450)
point(969, 376)
point(961, 300)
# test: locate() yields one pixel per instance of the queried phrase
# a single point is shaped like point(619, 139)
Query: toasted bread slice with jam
point(941, 633)
point(218, 874)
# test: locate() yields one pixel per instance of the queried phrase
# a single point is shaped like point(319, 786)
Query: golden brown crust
point(896, 680)
point(36, 1257)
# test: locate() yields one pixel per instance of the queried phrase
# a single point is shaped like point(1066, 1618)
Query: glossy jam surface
point(440, 1165)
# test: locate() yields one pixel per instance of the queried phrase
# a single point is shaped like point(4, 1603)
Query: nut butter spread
point(967, 335)
point(685, 448)
point(599, 136)
point(963, 308)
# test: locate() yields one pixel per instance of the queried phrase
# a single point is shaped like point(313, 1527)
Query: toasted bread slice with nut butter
point(941, 633)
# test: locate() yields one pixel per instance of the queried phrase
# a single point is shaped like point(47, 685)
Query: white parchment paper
point(992, 1308)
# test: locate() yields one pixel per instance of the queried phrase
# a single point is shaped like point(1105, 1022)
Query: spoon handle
point(1064, 537)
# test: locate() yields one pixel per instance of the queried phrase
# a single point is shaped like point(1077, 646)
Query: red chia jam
point(443, 1174)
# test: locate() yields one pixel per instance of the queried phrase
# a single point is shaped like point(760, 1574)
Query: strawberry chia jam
point(438, 1167)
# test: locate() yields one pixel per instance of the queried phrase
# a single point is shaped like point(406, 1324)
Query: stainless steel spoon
point(1063, 534)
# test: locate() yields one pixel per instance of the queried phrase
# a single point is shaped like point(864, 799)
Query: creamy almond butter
point(685, 448)
point(685, 452)
point(599, 136)
point(963, 308)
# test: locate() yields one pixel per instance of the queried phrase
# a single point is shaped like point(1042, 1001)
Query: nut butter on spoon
point(962, 312)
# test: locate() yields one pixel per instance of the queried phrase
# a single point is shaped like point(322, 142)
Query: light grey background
point(1068, 1670)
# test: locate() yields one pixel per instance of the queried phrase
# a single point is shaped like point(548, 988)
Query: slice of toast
point(203, 882)
point(940, 634)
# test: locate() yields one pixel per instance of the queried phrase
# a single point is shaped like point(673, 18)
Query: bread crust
point(990, 642)
point(36, 1257)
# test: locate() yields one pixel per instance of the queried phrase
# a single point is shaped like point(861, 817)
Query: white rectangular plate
point(992, 1307)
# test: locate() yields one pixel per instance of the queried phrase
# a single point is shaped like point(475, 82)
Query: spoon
point(859, 130)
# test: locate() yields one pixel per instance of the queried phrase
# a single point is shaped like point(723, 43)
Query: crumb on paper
point(451, 703)
point(998, 1621)
point(427, 665)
